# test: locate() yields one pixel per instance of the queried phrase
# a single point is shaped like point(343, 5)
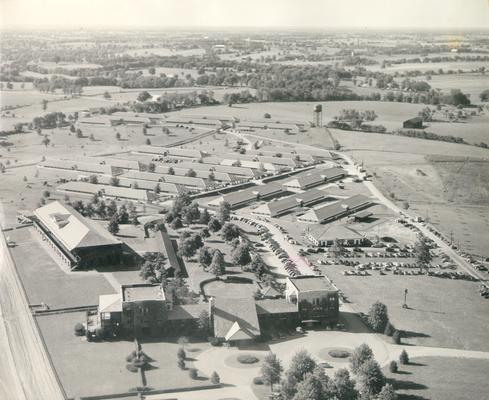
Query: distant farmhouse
point(149, 308)
point(413, 123)
point(76, 241)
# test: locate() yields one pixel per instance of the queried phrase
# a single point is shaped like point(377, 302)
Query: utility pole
point(405, 299)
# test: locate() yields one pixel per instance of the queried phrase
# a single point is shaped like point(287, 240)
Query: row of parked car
point(289, 265)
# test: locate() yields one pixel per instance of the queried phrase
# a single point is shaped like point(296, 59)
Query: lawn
point(440, 378)
point(44, 281)
point(230, 290)
point(86, 369)
point(166, 374)
point(430, 320)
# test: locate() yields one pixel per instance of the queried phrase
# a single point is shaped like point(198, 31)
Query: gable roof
point(334, 231)
point(228, 312)
point(71, 228)
point(238, 333)
point(312, 283)
point(110, 303)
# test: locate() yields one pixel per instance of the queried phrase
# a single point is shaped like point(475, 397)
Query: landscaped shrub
point(214, 341)
point(397, 336)
point(393, 367)
point(215, 379)
point(339, 353)
point(258, 380)
point(247, 359)
point(192, 372)
point(181, 354)
point(404, 358)
point(389, 329)
point(79, 329)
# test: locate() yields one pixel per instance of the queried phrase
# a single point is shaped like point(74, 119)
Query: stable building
point(246, 196)
point(276, 208)
point(78, 242)
point(339, 209)
point(325, 236)
point(316, 178)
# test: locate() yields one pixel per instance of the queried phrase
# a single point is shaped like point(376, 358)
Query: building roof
point(275, 306)
point(312, 283)
point(187, 311)
point(227, 313)
point(165, 246)
point(217, 168)
point(317, 177)
point(110, 303)
point(334, 231)
point(142, 292)
point(280, 206)
point(414, 120)
point(71, 228)
point(340, 207)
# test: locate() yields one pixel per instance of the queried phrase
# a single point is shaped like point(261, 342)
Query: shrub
point(339, 353)
point(389, 329)
point(193, 373)
point(404, 358)
point(258, 380)
point(247, 359)
point(79, 329)
point(215, 379)
point(214, 341)
point(397, 336)
point(181, 354)
point(393, 367)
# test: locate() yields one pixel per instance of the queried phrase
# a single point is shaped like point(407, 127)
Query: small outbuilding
point(413, 123)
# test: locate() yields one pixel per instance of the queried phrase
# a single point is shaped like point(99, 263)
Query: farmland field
point(163, 51)
point(449, 65)
point(25, 97)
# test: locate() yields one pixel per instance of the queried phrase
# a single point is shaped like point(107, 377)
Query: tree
point(309, 389)
point(370, 377)
point(214, 225)
point(215, 379)
point(79, 133)
point(113, 224)
point(205, 256)
point(111, 208)
point(360, 355)
point(144, 130)
point(181, 363)
point(107, 95)
point(484, 95)
point(157, 188)
point(45, 141)
point(389, 329)
point(204, 233)
point(203, 322)
point(148, 142)
point(171, 171)
point(393, 367)
point(267, 115)
point(387, 393)
point(44, 104)
point(337, 248)
point(151, 167)
point(224, 212)
point(72, 128)
point(241, 255)
point(143, 96)
point(217, 266)
point(153, 268)
point(186, 248)
point(101, 209)
point(404, 357)
point(122, 215)
point(271, 369)
point(397, 336)
point(177, 223)
point(205, 217)
point(342, 387)
point(152, 70)
point(378, 317)
point(118, 136)
point(229, 232)
point(193, 373)
point(301, 364)
point(422, 250)
point(191, 173)
point(93, 179)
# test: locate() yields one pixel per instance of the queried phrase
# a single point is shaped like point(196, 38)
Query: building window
point(105, 315)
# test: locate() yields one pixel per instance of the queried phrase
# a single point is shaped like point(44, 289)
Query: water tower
point(318, 115)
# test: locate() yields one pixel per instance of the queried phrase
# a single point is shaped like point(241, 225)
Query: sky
point(312, 14)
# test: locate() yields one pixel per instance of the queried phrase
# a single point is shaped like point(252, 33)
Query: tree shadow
point(412, 334)
point(406, 385)
point(411, 397)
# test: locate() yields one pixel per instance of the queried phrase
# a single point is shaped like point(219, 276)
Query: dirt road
point(25, 370)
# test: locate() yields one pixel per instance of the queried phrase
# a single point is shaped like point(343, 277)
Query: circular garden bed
point(335, 354)
point(243, 361)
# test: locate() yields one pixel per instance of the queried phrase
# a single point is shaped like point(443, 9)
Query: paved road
point(25, 370)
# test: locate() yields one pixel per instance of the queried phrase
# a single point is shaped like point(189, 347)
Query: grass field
point(449, 65)
point(25, 97)
point(230, 290)
point(41, 275)
point(431, 320)
point(163, 51)
point(86, 369)
point(441, 378)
